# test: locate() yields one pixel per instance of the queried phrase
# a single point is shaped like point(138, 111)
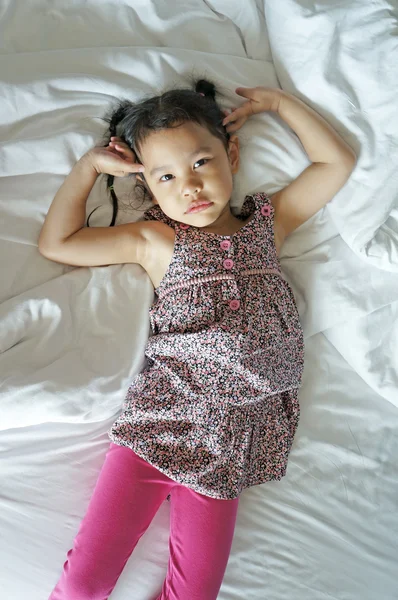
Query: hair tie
point(201, 93)
point(110, 187)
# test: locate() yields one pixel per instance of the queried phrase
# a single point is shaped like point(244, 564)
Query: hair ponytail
point(114, 118)
point(206, 88)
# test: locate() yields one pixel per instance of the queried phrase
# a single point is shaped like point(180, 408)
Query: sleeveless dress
point(216, 406)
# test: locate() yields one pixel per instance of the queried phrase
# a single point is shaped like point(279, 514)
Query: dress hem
point(199, 489)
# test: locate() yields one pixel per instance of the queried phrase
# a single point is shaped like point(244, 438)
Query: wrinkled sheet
point(72, 339)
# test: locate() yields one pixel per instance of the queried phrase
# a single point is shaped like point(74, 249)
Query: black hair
point(134, 122)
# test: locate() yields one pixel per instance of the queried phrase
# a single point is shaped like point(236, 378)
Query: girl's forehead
point(184, 138)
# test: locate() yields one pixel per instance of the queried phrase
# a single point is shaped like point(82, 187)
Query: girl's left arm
point(332, 158)
point(332, 163)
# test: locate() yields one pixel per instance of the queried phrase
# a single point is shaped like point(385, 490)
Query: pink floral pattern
point(216, 406)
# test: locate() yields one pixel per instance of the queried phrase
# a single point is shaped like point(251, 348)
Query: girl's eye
point(199, 163)
point(167, 175)
point(202, 160)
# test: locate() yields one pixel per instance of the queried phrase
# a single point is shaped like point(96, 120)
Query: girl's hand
point(115, 159)
point(259, 99)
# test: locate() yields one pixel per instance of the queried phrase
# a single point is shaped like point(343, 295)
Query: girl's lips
point(199, 207)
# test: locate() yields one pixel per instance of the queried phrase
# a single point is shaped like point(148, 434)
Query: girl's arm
point(68, 209)
point(64, 238)
point(332, 158)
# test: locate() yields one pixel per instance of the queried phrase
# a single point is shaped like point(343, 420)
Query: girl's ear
point(233, 153)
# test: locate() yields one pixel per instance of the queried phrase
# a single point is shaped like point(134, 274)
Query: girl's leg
point(201, 533)
point(127, 496)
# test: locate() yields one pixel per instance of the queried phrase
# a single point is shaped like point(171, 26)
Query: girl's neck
point(226, 223)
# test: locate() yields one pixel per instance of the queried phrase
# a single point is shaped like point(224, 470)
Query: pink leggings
point(127, 495)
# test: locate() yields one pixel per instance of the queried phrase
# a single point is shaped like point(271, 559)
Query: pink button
point(225, 244)
point(234, 304)
point(228, 263)
point(184, 226)
point(266, 211)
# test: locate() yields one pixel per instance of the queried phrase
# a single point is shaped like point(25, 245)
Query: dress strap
point(258, 204)
point(264, 206)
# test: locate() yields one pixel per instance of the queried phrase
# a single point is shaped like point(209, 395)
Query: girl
point(215, 410)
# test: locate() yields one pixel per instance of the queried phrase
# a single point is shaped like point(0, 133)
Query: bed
point(73, 338)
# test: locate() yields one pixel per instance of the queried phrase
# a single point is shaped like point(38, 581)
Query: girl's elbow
point(42, 246)
point(47, 251)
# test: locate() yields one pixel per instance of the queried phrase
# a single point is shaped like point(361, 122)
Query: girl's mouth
point(199, 206)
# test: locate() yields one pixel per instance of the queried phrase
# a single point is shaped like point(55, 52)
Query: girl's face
point(187, 163)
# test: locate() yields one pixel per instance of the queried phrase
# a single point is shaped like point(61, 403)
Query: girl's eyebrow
point(192, 154)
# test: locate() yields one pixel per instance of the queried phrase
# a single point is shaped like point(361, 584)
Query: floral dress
point(216, 406)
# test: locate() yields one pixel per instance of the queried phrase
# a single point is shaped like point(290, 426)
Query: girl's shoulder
point(159, 230)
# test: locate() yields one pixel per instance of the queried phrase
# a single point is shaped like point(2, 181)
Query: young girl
point(215, 410)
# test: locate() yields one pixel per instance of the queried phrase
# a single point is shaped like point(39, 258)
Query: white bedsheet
point(72, 339)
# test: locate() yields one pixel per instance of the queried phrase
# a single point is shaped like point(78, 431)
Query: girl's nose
point(192, 186)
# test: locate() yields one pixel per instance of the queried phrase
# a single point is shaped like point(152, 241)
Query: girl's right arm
point(64, 238)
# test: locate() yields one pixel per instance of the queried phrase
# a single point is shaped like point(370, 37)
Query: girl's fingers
point(130, 164)
point(232, 116)
point(128, 161)
point(112, 149)
point(227, 119)
point(126, 154)
point(118, 145)
point(122, 150)
point(136, 168)
point(245, 92)
point(132, 167)
point(228, 111)
point(235, 125)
